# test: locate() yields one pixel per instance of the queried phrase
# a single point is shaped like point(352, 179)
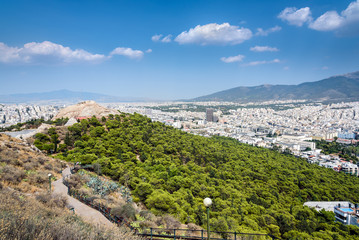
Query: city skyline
point(173, 50)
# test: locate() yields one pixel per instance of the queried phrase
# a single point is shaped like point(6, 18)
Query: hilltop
point(84, 109)
point(337, 88)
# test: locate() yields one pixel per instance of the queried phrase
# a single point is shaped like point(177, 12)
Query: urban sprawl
point(284, 125)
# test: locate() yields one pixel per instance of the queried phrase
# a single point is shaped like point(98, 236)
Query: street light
point(49, 180)
point(207, 202)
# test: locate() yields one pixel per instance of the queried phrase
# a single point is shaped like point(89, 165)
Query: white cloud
point(296, 17)
point(331, 20)
point(232, 59)
point(127, 52)
point(167, 39)
point(261, 32)
point(325, 68)
point(214, 33)
point(160, 38)
point(351, 14)
point(286, 68)
point(9, 54)
point(346, 21)
point(264, 49)
point(45, 52)
point(48, 52)
point(156, 38)
point(327, 22)
point(255, 63)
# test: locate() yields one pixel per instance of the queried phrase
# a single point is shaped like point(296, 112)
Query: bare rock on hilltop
point(83, 110)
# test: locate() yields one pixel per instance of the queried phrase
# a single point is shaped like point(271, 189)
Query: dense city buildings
point(289, 126)
point(15, 113)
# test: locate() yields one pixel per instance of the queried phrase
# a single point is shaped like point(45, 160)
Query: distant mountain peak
point(341, 87)
point(351, 75)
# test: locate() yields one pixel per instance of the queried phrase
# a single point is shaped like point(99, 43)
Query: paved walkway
point(87, 213)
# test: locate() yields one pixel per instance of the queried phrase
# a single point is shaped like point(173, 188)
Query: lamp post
point(207, 202)
point(49, 180)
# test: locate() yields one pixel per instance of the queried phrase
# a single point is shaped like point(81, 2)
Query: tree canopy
point(253, 189)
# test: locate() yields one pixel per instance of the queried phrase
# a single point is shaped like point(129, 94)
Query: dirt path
point(87, 213)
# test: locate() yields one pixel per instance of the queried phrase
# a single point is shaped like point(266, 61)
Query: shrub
point(12, 174)
point(41, 160)
point(59, 200)
point(52, 200)
point(148, 224)
point(147, 215)
point(27, 160)
point(192, 227)
point(5, 160)
point(171, 222)
point(126, 211)
point(75, 181)
point(16, 162)
point(30, 166)
point(48, 166)
point(43, 198)
point(38, 178)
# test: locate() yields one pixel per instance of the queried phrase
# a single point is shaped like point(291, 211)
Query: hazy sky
point(173, 49)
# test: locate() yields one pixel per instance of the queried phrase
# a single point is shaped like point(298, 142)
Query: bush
point(27, 160)
point(192, 227)
point(12, 174)
point(48, 166)
point(38, 179)
point(43, 198)
point(75, 181)
point(5, 160)
point(16, 162)
point(30, 166)
point(171, 222)
point(148, 224)
point(147, 215)
point(41, 160)
point(52, 200)
point(126, 211)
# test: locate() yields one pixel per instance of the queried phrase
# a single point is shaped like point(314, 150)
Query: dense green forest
point(253, 189)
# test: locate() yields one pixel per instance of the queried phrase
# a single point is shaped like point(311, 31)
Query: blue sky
point(173, 49)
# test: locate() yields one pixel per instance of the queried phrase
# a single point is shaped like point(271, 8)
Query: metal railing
point(156, 233)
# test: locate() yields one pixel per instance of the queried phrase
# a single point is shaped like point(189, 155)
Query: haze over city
point(173, 49)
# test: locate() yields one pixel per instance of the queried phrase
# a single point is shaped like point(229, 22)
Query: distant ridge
point(63, 96)
point(341, 87)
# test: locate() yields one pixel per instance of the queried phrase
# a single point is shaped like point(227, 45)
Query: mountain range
point(337, 88)
point(64, 96)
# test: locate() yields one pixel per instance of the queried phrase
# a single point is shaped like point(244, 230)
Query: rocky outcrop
point(84, 109)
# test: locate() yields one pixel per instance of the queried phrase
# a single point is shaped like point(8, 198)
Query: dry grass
point(26, 218)
point(24, 168)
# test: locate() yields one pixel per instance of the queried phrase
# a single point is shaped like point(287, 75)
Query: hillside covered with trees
point(253, 189)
